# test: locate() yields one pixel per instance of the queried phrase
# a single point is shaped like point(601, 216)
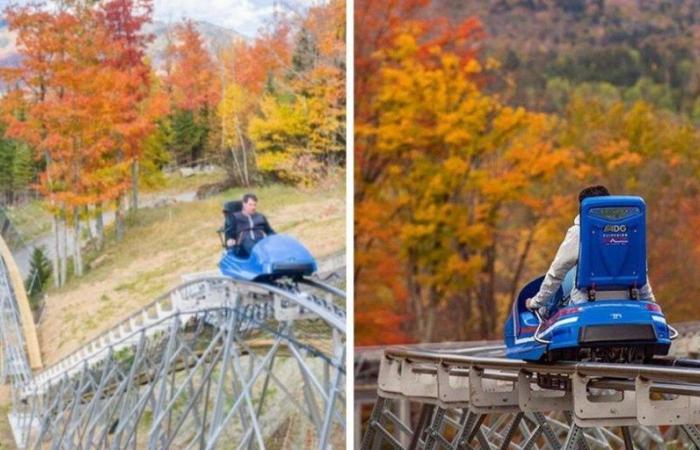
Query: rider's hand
point(530, 304)
point(230, 243)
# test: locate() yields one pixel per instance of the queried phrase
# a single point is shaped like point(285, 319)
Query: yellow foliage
point(300, 137)
point(456, 157)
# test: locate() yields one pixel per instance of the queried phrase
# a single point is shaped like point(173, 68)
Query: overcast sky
point(244, 16)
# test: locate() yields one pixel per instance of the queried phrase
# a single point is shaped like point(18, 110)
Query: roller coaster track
point(214, 363)
point(468, 395)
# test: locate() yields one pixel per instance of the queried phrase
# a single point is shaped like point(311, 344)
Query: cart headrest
point(233, 206)
point(612, 252)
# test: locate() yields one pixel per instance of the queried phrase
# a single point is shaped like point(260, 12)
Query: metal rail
point(478, 396)
point(214, 360)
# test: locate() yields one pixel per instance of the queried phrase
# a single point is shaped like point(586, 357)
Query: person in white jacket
point(565, 259)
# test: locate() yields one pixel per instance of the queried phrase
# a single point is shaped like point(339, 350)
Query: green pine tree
point(155, 155)
point(188, 137)
point(16, 167)
point(39, 275)
point(305, 53)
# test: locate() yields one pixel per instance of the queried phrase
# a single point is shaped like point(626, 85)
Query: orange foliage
point(381, 292)
point(250, 64)
point(81, 99)
point(192, 77)
point(440, 164)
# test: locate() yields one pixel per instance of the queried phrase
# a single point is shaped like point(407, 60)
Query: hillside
point(625, 49)
point(215, 37)
point(164, 243)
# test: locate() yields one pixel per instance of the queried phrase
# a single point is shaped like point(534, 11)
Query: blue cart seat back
point(612, 253)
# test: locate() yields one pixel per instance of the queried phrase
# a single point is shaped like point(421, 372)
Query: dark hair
point(593, 191)
point(247, 197)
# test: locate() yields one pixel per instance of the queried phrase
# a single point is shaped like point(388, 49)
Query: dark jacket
point(250, 229)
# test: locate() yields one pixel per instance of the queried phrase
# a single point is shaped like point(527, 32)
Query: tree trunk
point(521, 261)
point(430, 314)
point(414, 303)
point(77, 256)
point(237, 165)
point(134, 204)
point(91, 233)
point(244, 150)
point(487, 299)
point(99, 226)
point(63, 248)
point(119, 219)
point(55, 261)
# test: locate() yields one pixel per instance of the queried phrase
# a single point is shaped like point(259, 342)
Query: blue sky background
point(244, 16)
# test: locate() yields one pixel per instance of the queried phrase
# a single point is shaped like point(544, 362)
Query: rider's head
point(593, 191)
point(250, 203)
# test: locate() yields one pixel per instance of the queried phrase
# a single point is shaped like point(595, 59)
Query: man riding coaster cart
point(595, 302)
point(253, 251)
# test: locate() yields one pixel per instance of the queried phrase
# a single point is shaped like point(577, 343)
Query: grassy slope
point(164, 243)
point(33, 220)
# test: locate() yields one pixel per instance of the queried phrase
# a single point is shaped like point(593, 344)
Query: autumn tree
point(75, 103)
point(455, 158)
point(125, 19)
point(300, 133)
point(194, 90)
point(247, 68)
point(235, 109)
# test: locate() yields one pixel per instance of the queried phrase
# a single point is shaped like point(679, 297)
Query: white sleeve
point(565, 259)
point(645, 293)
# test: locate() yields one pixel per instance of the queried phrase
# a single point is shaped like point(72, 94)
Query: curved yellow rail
point(30, 337)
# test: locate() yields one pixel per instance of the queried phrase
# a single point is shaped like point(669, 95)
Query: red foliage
point(125, 20)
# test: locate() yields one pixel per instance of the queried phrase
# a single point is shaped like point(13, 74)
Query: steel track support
point(547, 430)
point(511, 431)
point(693, 434)
point(575, 439)
point(532, 439)
point(374, 420)
point(426, 413)
point(171, 377)
point(245, 392)
point(627, 437)
point(156, 428)
point(432, 432)
point(237, 403)
point(333, 387)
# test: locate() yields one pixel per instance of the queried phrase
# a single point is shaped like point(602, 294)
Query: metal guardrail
point(170, 337)
point(176, 302)
point(466, 394)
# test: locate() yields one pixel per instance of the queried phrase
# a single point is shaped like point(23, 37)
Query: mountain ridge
point(215, 37)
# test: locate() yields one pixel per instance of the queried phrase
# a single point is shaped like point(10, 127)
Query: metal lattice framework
point(473, 397)
point(214, 363)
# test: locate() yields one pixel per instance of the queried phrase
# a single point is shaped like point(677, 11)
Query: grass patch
point(174, 182)
point(31, 220)
point(161, 244)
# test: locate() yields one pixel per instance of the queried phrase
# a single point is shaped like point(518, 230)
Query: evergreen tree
point(16, 168)
point(188, 136)
point(39, 275)
point(155, 155)
point(306, 53)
